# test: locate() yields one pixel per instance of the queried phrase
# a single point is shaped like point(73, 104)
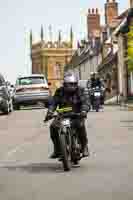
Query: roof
point(127, 14)
point(123, 14)
point(117, 30)
point(111, 57)
point(83, 54)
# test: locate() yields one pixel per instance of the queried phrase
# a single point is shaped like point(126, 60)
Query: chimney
point(131, 3)
point(111, 11)
point(93, 21)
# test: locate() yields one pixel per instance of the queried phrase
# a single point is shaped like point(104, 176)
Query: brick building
point(111, 11)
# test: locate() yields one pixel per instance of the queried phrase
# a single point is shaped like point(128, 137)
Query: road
point(27, 173)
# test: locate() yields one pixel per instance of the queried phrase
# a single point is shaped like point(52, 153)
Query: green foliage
point(130, 48)
point(130, 63)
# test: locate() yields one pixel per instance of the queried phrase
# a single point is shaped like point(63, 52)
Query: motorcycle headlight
point(66, 122)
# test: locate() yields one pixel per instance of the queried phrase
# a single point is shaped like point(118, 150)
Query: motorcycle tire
point(75, 151)
point(66, 157)
point(97, 109)
point(97, 106)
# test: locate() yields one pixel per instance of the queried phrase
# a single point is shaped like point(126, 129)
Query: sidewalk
point(130, 106)
point(113, 102)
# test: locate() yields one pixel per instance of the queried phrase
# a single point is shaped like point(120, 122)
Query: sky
point(18, 17)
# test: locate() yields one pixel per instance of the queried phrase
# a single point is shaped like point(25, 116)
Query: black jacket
point(79, 100)
point(95, 82)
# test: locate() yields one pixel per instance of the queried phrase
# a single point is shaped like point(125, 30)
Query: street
point(27, 173)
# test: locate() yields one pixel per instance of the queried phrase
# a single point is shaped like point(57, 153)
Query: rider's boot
point(56, 153)
point(85, 151)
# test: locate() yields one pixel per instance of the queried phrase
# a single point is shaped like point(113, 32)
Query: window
point(57, 70)
point(30, 80)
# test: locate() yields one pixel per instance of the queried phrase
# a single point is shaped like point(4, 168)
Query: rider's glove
point(84, 114)
point(49, 116)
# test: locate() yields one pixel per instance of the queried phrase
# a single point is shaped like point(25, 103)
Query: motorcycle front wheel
point(97, 105)
point(75, 150)
point(66, 155)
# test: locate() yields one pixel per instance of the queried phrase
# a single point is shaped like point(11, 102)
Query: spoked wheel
point(65, 150)
point(97, 106)
point(75, 151)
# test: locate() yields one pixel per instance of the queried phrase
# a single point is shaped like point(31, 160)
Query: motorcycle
point(70, 146)
point(96, 98)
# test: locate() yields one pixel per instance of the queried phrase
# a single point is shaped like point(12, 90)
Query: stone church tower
point(111, 11)
point(50, 57)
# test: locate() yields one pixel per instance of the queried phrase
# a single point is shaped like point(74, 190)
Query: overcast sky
point(17, 17)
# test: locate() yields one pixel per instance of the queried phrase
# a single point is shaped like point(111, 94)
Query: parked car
point(31, 90)
point(11, 88)
point(6, 105)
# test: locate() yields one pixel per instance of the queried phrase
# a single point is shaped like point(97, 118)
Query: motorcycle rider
point(96, 82)
point(70, 94)
point(100, 84)
point(93, 80)
point(91, 85)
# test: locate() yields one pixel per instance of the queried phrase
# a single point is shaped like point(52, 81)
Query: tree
point(130, 47)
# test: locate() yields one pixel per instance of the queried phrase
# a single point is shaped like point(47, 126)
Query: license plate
point(97, 94)
point(66, 122)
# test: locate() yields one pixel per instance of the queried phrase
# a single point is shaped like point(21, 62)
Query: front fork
point(67, 133)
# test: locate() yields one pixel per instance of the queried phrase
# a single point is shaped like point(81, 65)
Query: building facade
point(125, 66)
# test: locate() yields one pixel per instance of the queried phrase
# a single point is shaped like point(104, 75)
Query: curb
point(130, 107)
point(127, 106)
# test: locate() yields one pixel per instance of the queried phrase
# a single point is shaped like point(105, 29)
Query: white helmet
point(92, 73)
point(70, 82)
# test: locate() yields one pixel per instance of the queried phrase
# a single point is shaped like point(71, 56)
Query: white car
point(31, 90)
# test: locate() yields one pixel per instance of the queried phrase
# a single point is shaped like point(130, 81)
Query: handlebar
point(65, 113)
point(70, 114)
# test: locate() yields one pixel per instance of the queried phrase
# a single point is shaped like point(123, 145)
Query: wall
point(122, 68)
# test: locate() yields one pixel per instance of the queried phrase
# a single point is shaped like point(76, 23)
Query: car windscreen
point(31, 80)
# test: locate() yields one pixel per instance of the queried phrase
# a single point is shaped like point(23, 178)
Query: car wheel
point(7, 109)
point(16, 107)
